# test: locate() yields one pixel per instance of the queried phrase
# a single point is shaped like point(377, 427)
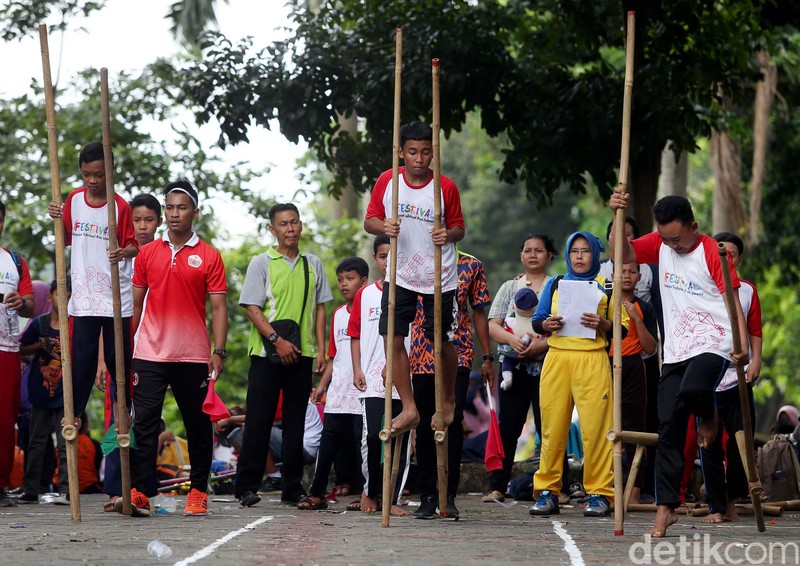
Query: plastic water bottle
point(12, 323)
point(526, 340)
point(158, 549)
point(164, 505)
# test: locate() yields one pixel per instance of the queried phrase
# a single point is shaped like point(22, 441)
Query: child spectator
point(416, 241)
point(368, 363)
point(341, 428)
point(46, 394)
point(525, 302)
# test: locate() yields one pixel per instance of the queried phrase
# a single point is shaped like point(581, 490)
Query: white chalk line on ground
point(204, 552)
point(575, 556)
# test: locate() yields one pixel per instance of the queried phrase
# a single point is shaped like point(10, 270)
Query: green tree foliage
point(21, 18)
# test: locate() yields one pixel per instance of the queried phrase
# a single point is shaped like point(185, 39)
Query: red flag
point(213, 405)
point(494, 455)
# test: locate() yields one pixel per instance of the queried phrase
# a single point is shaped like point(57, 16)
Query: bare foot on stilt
point(404, 421)
point(730, 513)
point(665, 518)
point(707, 431)
point(713, 518)
point(396, 511)
point(447, 413)
point(368, 504)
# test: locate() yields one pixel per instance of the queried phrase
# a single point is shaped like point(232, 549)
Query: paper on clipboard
point(574, 299)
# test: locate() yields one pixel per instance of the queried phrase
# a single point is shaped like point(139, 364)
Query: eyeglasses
point(583, 251)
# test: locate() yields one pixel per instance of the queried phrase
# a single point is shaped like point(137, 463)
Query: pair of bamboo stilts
point(391, 464)
point(744, 438)
point(71, 424)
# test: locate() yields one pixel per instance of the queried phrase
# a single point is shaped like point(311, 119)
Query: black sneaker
point(546, 504)
point(28, 498)
point(248, 499)
point(427, 508)
point(5, 500)
point(452, 510)
point(270, 485)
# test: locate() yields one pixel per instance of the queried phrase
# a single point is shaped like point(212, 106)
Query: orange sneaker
point(196, 503)
point(140, 504)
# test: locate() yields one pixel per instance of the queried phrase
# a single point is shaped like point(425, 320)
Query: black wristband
point(488, 357)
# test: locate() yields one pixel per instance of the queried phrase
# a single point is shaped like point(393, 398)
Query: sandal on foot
point(110, 505)
point(312, 503)
point(354, 506)
point(344, 490)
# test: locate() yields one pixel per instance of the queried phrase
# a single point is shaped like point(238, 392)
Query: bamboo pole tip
point(619, 533)
point(398, 30)
point(631, 13)
point(435, 62)
point(42, 28)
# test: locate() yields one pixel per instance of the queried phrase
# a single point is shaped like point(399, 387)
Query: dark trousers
point(652, 370)
point(189, 384)
point(85, 349)
point(726, 481)
point(634, 405)
point(264, 385)
point(340, 443)
point(41, 434)
point(373, 423)
point(685, 388)
point(425, 397)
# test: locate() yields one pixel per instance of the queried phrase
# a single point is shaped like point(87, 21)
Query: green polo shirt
point(276, 284)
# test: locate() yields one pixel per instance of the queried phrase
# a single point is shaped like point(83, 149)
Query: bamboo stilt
point(440, 437)
point(387, 449)
point(744, 398)
point(619, 239)
point(634, 471)
point(121, 415)
point(69, 426)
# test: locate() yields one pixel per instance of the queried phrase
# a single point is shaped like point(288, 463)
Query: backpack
point(778, 469)
point(17, 259)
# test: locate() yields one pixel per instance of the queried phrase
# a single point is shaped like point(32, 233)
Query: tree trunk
point(645, 171)
point(348, 203)
point(674, 173)
point(765, 90)
point(727, 213)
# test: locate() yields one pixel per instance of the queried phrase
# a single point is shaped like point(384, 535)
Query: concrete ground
point(272, 533)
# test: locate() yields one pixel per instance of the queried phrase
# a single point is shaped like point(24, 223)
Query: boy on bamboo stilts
point(416, 240)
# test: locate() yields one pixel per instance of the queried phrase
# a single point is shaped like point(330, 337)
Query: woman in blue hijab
point(576, 372)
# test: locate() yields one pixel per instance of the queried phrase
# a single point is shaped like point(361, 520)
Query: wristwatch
point(273, 337)
point(221, 352)
point(488, 357)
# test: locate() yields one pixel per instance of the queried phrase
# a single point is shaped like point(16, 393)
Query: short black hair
point(146, 200)
point(2, 209)
point(380, 240)
point(353, 264)
point(54, 285)
point(417, 131)
point(281, 207)
point(731, 238)
point(549, 244)
point(673, 208)
point(93, 152)
point(628, 220)
point(183, 185)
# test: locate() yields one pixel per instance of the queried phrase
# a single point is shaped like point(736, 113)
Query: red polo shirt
point(173, 326)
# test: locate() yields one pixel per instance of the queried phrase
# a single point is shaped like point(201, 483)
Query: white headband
point(184, 191)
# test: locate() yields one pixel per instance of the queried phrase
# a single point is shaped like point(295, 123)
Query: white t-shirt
point(87, 231)
point(642, 289)
point(342, 395)
point(415, 248)
point(313, 430)
point(692, 286)
point(751, 307)
point(10, 281)
point(364, 317)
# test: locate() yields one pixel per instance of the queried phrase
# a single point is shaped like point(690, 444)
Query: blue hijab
point(597, 248)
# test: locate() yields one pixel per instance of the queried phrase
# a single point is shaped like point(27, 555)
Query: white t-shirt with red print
point(87, 231)
point(751, 307)
point(10, 281)
point(692, 296)
point(342, 397)
point(415, 248)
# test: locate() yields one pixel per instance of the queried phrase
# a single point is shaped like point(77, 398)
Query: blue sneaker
point(598, 506)
point(546, 504)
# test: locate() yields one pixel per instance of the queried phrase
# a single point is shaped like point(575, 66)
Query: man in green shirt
point(282, 284)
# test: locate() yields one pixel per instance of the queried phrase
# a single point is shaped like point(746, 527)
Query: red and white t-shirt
point(692, 296)
point(342, 395)
point(364, 317)
point(414, 246)
point(173, 327)
point(87, 232)
point(10, 281)
point(751, 307)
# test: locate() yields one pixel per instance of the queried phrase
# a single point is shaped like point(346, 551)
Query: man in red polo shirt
point(173, 349)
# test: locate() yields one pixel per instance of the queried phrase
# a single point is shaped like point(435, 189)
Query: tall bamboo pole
point(619, 242)
point(387, 407)
point(441, 430)
point(744, 437)
point(121, 415)
point(69, 426)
